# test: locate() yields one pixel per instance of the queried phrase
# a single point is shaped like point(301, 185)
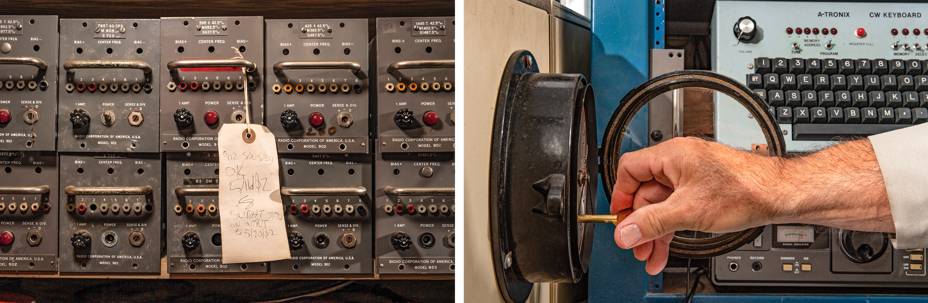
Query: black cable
point(692, 291)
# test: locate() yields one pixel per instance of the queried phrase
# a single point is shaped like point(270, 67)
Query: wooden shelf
point(224, 276)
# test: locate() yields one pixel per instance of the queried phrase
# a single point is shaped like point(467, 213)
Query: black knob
point(182, 117)
point(745, 28)
point(190, 241)
point(404, 118)
point(80, 239)
point(401, 241)
point(289, 119)
point(296, 241)
point(80, 118)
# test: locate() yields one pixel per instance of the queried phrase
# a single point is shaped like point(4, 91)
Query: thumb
point(651, 222)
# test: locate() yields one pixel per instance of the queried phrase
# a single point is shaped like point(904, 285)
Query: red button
point(211, 117)
point(860, 32)
point(6, 238)
point(430, 118)
point(316, 120)
point(4, 116)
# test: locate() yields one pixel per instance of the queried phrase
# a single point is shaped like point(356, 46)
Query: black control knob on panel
point(745, 28)
point(80, 239)
point(183, 118)
point(404, 118)
point(80, 118)
point(190, 241)
point(289, 119)
point(296, 241)
point(401, 241)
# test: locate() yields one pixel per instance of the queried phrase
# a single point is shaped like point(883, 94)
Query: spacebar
point(827, 132)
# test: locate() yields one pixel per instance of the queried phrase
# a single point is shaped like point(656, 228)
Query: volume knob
point(745, 29)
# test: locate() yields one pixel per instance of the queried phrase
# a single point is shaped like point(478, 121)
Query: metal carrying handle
point(25, 61)
point(24, 190)
point(323, 191)
point(353, 66)
point(71, 65)
point(248, 65)
point(419, 191)
point(419, 64)
point(117, 190)
point(196, 191)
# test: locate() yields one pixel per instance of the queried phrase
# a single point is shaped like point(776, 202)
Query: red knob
point(860, 32)
point(4, 116)
point(6, 238)
point(211, 117)
point(316, 120)
point(430, 118)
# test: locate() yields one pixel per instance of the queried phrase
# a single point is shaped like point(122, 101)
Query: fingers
point(651, 222)
point(649, 193)
point(643, 251)
point(659, 254)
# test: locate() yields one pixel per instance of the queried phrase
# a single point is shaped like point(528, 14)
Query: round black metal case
point(543, 172)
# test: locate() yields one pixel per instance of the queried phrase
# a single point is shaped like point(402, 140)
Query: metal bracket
point(552, 187)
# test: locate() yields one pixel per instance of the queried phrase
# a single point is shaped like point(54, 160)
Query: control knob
point(296, 241)
point(182, 117)
point(190, 241)
point(289, 119)
point(745, 29)
point(404, 118)
point(80, 118)
point(80, 239)
point(401, 241)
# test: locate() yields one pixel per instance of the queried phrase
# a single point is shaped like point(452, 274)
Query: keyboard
point(827, 98)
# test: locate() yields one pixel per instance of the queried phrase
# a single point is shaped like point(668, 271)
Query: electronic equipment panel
point(28, 82)
point(327, 198)
point(202, 81)
point(109, 70)
point(318, 99)
point(193, 238)
point(827, 70)
point(414, 164)
point(28, 211)
point(110, 208)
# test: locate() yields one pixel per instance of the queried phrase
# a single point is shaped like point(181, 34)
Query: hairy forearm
point(840, 186)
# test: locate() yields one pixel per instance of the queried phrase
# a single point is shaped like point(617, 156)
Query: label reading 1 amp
point(317, 31)
point(11, 27)
point(428, 27)
point(109, 30)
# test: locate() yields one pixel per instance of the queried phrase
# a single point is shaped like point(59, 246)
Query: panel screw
point(122, 30)
point(508, 261)
point(785, 132)
point(750, 65)
point(198, 27)
point(96, 30)
point(303, 30)
point(224, 27)
point(415, 27)
point(19, 26)
point(657, 135)
point(750, 116)
point(441, 27)
point(328, 29)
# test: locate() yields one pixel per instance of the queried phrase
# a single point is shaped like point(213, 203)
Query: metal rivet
point(750, 65)
point(5, 47)
point(657, 135)
point(785, 132)
point(750, 116)
point(508, 261)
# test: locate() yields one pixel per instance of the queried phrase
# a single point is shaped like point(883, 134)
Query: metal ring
point(641, 95)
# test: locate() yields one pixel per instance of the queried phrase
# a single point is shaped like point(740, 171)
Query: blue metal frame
point(620, 60)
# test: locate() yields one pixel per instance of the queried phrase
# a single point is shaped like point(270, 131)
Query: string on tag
point(248, 135)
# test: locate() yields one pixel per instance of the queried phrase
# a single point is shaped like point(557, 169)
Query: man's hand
point(692, 184)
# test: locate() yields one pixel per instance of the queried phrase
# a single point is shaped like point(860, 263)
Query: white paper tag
point(252, 216)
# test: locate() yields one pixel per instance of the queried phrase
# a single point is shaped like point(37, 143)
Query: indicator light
point(211, 117)
point(860, 33)
point(916, 32)
point(789, 30)
point(815, 31)
point(807, 31)
point(834, 31)
point(895, 32)
point(905, 31)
